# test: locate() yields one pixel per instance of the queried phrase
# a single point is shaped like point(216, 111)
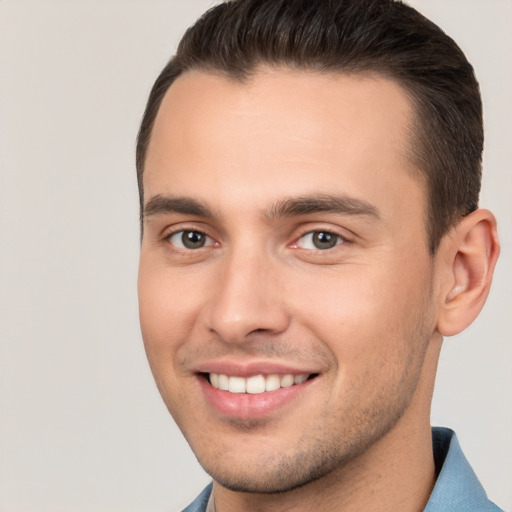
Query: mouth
point(255, 384)
point(256, 395)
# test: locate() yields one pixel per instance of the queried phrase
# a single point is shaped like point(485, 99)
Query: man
point(309, 176)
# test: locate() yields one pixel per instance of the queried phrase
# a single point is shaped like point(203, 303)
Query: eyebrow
point(160, 205)
point(319, 203)
point(288, 207)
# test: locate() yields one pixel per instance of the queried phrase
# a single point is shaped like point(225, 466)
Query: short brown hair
point(382, 36)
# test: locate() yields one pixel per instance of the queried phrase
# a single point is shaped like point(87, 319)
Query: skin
point(366, 315)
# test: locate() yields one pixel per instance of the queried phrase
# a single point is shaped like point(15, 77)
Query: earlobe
point(472, 250)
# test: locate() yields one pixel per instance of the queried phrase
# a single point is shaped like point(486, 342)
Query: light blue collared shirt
point(457, 488)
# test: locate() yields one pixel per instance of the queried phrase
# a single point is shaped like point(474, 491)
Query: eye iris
point(193, 239)
point(323, 240)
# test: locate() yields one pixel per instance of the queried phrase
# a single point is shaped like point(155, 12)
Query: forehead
point(299, 131)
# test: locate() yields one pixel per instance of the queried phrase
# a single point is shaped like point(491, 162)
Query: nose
point(247, 298)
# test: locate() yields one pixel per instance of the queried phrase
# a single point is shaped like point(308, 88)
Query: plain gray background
point(82, 427)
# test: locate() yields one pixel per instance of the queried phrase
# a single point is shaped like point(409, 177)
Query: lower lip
point(249, 406)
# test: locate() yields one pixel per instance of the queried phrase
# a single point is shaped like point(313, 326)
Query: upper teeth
point(256, 384)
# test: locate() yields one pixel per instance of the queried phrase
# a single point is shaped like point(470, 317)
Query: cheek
point(166, 318)
point(363, 315)
point(166, 311)
point(167, 294)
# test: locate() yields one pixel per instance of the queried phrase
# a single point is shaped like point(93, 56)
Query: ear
point(470, 254)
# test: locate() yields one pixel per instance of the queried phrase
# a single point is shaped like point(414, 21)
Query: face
point(285, 284)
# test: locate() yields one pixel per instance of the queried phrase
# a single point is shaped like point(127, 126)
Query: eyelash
point(209, 242)
point(169, 238)
point(338, 239)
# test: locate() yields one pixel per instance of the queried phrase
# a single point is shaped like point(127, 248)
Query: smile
point(255, 384)
point(257, 394)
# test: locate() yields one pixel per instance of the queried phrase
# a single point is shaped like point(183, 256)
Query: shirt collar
point(457, 487)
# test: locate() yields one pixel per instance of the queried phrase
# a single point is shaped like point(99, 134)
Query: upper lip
point(251, 368)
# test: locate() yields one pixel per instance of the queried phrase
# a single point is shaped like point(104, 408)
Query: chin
point(273, 473)
point(271, 482)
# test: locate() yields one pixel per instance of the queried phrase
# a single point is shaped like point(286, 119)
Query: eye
point(186, 239)
point(319, 240)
